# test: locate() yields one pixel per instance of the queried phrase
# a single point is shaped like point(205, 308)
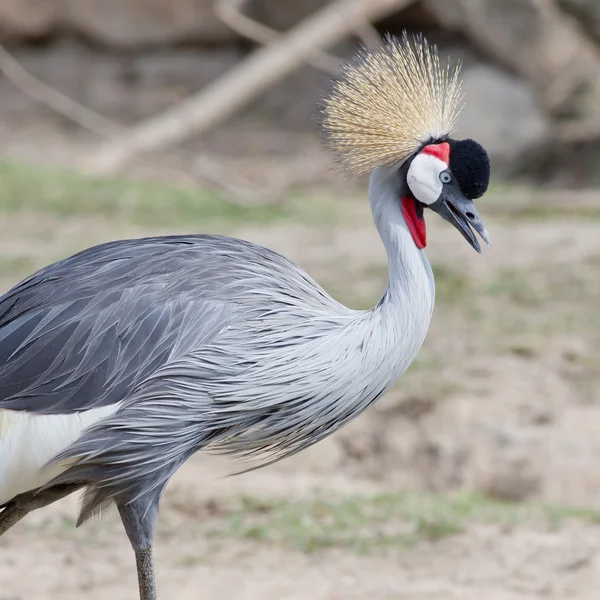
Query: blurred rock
point(534, 38)
point(123, 88)
point(27, 18)
point(501, 114)
point(283, 15)
point(587, 12)
point(134, 23)
point(163, 79)
point(160, 51)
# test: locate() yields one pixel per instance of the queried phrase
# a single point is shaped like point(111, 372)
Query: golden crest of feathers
point(388, 103)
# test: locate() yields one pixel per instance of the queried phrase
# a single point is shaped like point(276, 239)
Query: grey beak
point(455, 208)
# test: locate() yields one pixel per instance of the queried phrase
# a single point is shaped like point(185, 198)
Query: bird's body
point(240, 349)
point(120, 362)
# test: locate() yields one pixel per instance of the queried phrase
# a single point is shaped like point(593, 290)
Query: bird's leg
point(139, 519)
point(23, 504)
point(11, 514)
point(145, 569)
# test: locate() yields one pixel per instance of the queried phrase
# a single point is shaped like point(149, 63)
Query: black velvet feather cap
point(470, 164)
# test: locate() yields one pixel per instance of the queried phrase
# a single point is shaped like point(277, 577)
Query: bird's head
point(391, 112)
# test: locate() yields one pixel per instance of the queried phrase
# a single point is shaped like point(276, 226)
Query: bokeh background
point(477, 476)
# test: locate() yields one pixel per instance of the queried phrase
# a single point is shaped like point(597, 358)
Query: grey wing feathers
point(85, 331)
point(196, 338)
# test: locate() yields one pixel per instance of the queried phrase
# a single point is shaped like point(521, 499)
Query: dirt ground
point(501, 408)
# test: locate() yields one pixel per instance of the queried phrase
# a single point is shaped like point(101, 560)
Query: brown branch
point(367, 32)
point(244, 82)
point(57, 101)
point(555, 56)
point(207, 170)
point(230, 12)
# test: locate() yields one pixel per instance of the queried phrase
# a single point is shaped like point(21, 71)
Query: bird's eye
point(445, 177)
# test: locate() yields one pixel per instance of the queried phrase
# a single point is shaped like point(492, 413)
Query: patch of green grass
point(190, 561)
point(361, 524)
point(384, 522)
point(451, 285)
point(517, 286)
point(544, 300)
point(67, 522)
point(64, 193)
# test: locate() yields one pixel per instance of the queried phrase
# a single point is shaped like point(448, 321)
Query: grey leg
point(23, 504)
point(10, 516)
point(139, 520)
point(145, 569)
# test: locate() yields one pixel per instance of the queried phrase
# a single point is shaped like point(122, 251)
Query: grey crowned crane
point(120, 362)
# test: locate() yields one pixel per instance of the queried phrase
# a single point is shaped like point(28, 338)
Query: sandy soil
point(502, 402)
point(44, 558)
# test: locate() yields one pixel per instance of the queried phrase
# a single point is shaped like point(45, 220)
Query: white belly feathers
point(28, 441)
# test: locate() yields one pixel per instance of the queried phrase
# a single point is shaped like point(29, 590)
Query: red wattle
point(416, 224)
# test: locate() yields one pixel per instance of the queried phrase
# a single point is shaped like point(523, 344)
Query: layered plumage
point(196, 342)
point(118, 363)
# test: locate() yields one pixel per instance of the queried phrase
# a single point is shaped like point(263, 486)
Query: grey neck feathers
point(410, 278)
point(394, 330)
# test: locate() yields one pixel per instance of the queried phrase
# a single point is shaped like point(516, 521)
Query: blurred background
point(477, 477)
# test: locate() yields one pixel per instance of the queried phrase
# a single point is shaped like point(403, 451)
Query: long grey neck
point(378, 345)
point(411, 285)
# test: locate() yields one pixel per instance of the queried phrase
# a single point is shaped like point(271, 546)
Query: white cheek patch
point(423, 178)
